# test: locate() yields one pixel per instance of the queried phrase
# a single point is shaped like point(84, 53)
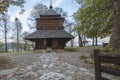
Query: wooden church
point(50, 31)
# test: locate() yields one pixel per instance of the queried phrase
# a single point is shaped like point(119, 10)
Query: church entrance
point(49, 43)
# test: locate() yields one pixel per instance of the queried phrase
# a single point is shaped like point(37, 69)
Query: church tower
point(50, 31)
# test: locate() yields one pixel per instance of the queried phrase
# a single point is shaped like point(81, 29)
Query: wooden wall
point(55, 44)
point(50, 24)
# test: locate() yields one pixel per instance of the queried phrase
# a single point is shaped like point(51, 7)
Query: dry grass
point(6, 63)
point(10, 60)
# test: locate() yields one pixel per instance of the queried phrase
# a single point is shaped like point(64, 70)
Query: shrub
point(70, 49)
point(108, 48)
point(82, 57)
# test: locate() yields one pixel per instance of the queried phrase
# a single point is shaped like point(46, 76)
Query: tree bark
point(6, 50)
point(96, 41)
point(72, 43)
point(93, 41)
point(115, 36)
point(25, 46)
point(17, 40)
point(80, 40)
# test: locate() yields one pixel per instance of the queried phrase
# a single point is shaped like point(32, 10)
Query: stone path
point(48, 67)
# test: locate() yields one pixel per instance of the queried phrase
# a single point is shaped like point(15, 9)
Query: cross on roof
point(50, 4)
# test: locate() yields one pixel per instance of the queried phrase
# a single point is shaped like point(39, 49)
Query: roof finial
point(50, 4)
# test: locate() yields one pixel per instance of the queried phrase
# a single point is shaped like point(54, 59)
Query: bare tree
point(4, 21)
point(37, 10)
point(69, 28)
point(61, 12)
point(18, 28)
point(25, 33)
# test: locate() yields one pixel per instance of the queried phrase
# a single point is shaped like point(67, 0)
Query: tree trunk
point(25, 47)
point(80, 40)
point(115, 36)
point(84, 40)
point(93, 41)
point(6, 50)
point(72, 43)
point(17, 40)
point(96, 41)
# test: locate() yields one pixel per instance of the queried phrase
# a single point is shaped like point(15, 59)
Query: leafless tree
point(18, 29)
point(35, 13)
point(4, 23)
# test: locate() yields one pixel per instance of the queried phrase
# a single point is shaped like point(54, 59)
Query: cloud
point(57, 2)
point(22, 18)
point(36, 0)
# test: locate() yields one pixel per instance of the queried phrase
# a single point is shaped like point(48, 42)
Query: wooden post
point(97, 64)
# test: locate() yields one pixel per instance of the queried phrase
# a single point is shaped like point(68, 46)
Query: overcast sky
point(68, 5)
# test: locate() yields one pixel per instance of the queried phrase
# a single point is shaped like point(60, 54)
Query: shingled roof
point(50, 13)
point(40, 34)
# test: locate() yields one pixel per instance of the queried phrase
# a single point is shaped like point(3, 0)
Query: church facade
point(50, 31)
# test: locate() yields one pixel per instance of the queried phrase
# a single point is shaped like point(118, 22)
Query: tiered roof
point(40, 34)
point(49, 34)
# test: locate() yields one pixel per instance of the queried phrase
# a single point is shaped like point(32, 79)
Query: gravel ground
point(69, 63)
point(69, 57)
point(73, 58)
point(25, 59)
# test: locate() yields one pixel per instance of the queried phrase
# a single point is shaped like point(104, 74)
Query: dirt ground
point(23, 59)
